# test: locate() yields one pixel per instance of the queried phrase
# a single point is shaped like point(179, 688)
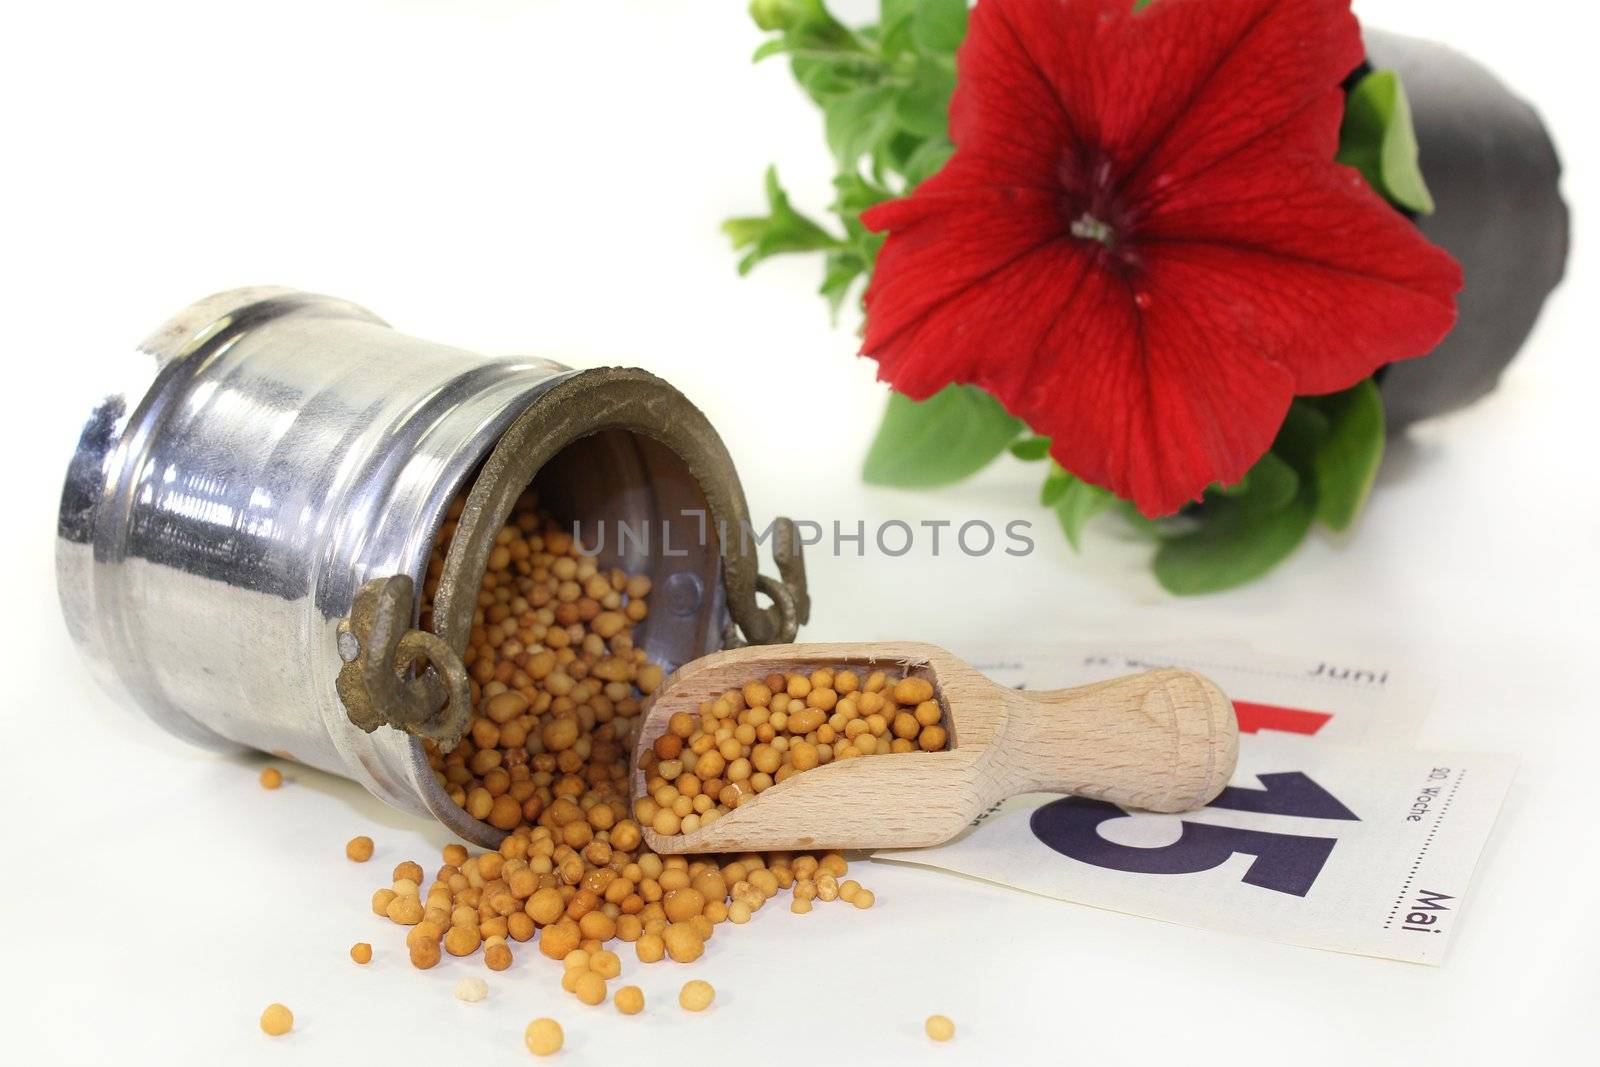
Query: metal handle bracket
point(379, 648)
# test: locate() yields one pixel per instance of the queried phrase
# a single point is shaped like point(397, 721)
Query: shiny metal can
point(249, 513)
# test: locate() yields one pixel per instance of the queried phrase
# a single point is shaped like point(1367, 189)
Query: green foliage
point(1320, 468)
point(884, 92)
point(1074, 501)
point(954, 433)
point(1031, 449)
point(781, 230)
point(938, 26)
point(1236, 545)
point(1268, 486)
point(1347, 461)
point(1377, 139)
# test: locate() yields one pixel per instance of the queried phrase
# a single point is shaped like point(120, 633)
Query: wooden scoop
point(1163, 740)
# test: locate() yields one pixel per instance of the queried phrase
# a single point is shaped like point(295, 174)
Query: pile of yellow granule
point(748, 740)
point(557, 693)
point(557, 690)
point(556, 680)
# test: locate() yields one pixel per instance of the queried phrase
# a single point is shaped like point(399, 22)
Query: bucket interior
point(631, 503)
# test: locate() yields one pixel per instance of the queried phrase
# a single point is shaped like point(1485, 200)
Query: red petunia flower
point(1143, 246)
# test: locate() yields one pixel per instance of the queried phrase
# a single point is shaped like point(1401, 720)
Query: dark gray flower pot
point(1495, 179)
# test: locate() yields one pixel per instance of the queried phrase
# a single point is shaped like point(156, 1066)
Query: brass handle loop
point(791, 605)
point(378, 647)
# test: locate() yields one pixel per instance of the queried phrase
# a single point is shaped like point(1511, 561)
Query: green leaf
point(1239, 535)
point(1055, 485)
point(773, 14)
point(803, 23)
point(746, 230)
point(1031, 449)
point(1238, 488)
point(1075, 502)
point(854, 194)
point(1269, 485)
point(828, 77)
point(1233, 547)
point(923, 107)
point(839, 273)
point(1140, 524)
point(926, 161)
point(856, 123)
point(1377, 138)
point(1302, 433)
point(774, 47)
point(938, 26)
point(783, 230)
point(1346, 462)
point(953, 434)
point(894, 26)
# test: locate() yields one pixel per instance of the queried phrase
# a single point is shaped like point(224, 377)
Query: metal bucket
point(250, 511)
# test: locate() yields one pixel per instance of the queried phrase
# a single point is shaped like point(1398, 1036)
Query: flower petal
point(1007, 105)
point(1327, 278)
point(957, 248)
point(1153, 394)
point(1161, 93)
point(1223, 74)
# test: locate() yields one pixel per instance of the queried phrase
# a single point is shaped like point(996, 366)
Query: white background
point(549, 177)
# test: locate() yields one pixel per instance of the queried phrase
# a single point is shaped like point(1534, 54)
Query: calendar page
point(1330, 698)
point(1318, 841)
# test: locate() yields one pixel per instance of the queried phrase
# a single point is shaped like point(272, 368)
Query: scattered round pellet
point(629, 1000)
point(863, 899)
point(277, 1020)
point(361, 952)
point(559, 938)
point(462, 940)
point(381, 899)
point(472, 990)
point(606, 964)
point(425, 953)
point(590, 988)
point(543, 1037)
point(650, 948)
point(940, 1028)
point(696, 995)
point(358, 849)
point(684, 943)
point(271, 778)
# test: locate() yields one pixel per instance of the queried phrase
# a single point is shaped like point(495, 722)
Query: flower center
point(1088, 228)
point(1095, 210)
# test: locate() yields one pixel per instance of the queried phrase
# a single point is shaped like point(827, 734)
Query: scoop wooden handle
point(1164, 740)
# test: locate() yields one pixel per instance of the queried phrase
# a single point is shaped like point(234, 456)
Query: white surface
point(549, 177)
